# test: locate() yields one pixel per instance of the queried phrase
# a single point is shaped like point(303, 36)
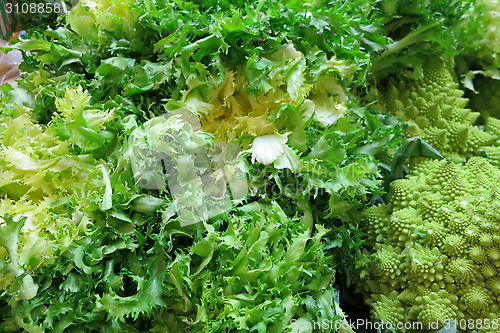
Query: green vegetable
point(432, 253)
point(204, 166)
point(262, 271)
point(187, 166)
point(437, 112)
point(479, 37)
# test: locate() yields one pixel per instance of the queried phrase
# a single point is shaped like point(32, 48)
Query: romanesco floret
point(437, 112)
point(434, 248)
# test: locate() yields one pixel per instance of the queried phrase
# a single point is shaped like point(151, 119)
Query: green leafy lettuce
point(185, 166)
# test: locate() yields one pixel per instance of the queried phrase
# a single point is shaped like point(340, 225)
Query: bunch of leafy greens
point(133, 124)
point(202, 166)
point(464, 33)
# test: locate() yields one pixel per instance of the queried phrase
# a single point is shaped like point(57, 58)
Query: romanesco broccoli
point(437, 112)
point(434, 248)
